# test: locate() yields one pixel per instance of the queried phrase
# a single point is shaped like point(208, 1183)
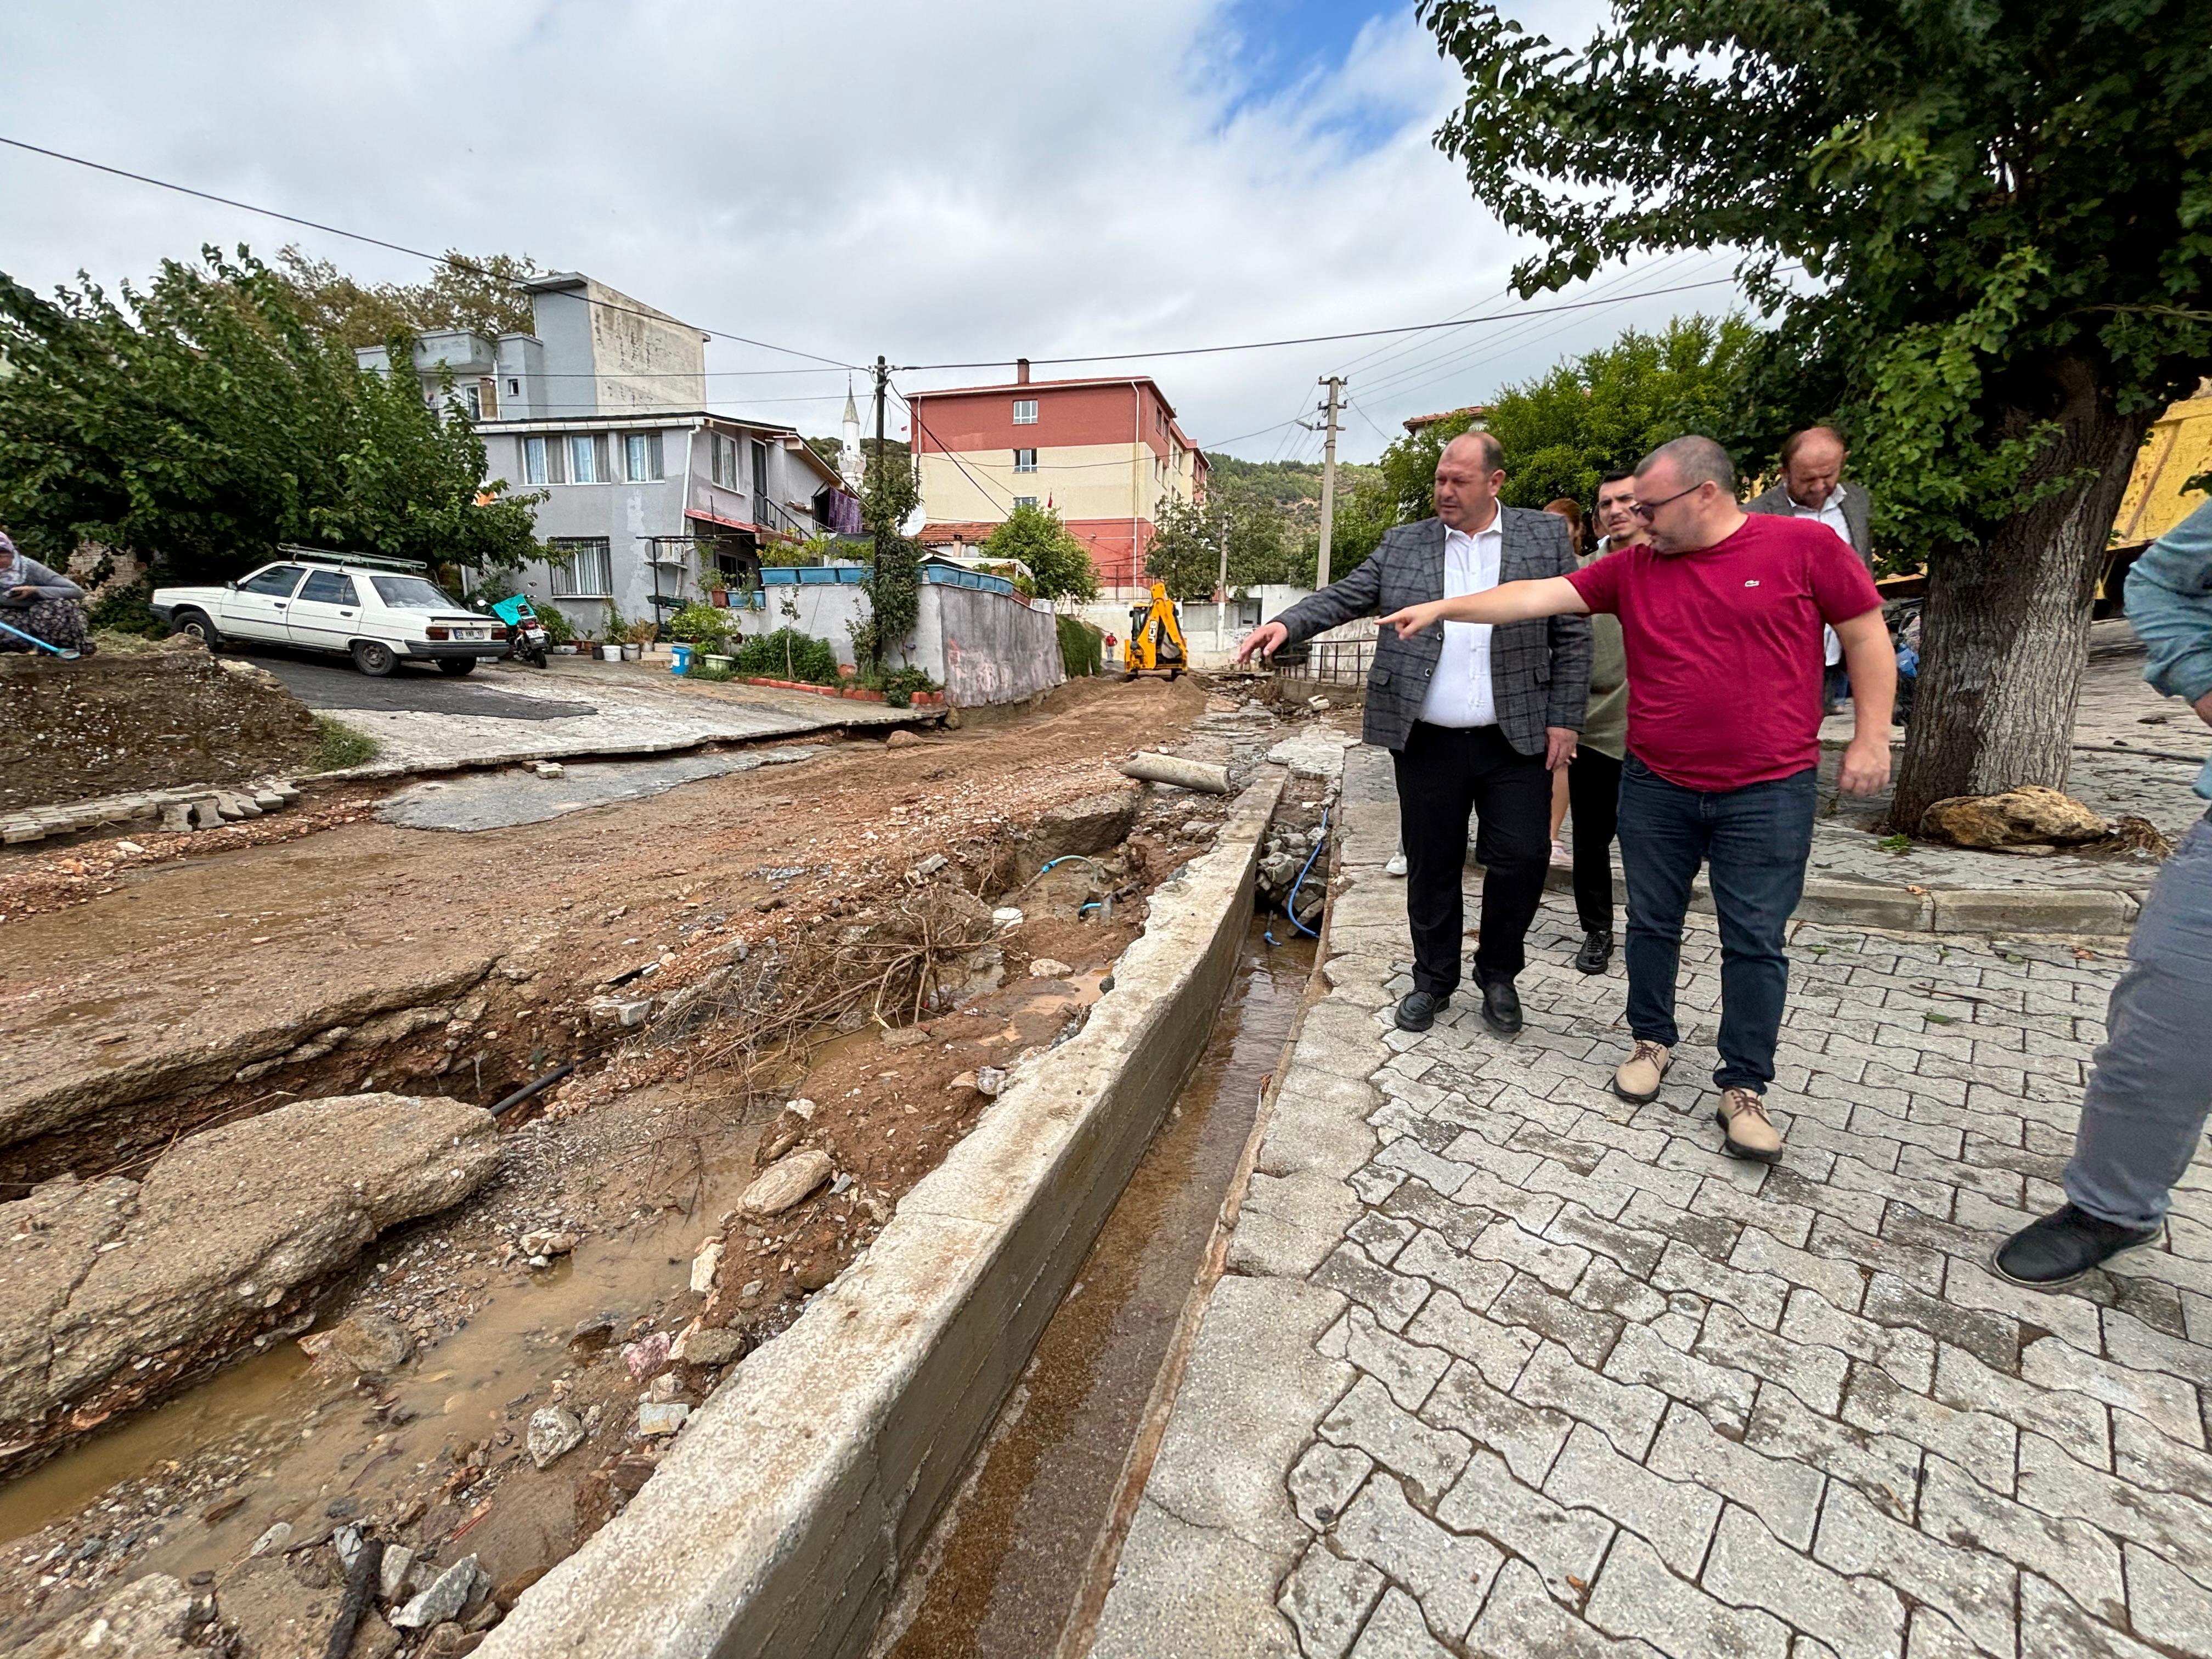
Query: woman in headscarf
point(39, 602)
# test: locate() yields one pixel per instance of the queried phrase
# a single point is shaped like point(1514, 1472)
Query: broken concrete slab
point(150, 1618)
point(499, 800)
point(115, 1292)
point(1090, 823)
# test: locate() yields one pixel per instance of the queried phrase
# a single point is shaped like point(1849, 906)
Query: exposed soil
point(112, 724)
point(637, 1159)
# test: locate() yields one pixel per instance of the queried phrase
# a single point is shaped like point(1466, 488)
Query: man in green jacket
point(1594, 775)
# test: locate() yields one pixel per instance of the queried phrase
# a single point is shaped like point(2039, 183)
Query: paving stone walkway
point(1501, 1365)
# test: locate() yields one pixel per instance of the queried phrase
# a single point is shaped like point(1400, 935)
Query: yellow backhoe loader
point(1154, 643)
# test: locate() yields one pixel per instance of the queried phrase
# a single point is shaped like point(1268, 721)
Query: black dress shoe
point(1596, 951)
point(1501, 1007)
point(2064, 1245)
point(1418, 1010)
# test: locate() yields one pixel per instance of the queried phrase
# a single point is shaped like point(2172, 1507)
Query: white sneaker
point(1396, 866)
point(1561, 858)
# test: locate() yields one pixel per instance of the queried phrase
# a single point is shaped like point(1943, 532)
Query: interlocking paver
point(1636, 1596)
point(1614, 1396)
point(1859, 1618)
point(1784, 1494)
point(1676, 1517)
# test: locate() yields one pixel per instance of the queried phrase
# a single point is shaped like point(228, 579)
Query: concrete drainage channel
point(782, 1521)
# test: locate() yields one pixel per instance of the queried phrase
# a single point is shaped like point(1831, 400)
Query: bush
point(557, 629)
point(698, 624)
point(899, 685)
point(1080, 646)
point(788, 655)
point(124, 611)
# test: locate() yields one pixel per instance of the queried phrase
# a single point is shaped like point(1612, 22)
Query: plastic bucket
point(610, 653)
point(679, 659)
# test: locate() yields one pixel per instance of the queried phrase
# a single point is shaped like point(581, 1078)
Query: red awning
point(732, 524)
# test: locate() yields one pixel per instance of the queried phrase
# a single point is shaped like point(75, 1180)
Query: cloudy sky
point(960, 181)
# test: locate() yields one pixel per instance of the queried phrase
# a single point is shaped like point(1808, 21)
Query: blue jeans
point(1754, 841)
point(2143, 1112)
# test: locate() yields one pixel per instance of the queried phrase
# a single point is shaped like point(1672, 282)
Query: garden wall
point(985, 647)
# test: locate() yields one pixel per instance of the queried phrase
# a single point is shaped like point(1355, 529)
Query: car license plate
point(468, 633)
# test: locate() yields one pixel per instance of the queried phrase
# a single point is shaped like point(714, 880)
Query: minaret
point(849, 452)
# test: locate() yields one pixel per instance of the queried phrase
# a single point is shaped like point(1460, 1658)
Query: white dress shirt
point(1831, 514)
point(1459, 694)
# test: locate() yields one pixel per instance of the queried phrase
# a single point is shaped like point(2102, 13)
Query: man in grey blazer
point(1812, 487)
point(1475, 718)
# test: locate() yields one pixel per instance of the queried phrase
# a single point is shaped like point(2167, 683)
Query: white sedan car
point(376, 611)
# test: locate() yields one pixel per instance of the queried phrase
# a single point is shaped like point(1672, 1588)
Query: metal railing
point(1328, 662)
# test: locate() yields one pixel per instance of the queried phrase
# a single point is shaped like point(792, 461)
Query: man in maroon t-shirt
point(1720, 614)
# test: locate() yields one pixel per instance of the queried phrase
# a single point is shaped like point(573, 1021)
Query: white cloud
point(972, 178)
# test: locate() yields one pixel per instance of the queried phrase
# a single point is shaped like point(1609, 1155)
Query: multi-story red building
point(1106, 454)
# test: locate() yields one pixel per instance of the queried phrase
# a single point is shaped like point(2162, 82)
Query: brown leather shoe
point(1640, 1076)
point(1745, 1129)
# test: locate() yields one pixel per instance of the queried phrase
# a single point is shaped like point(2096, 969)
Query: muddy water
point(1002, 1574)
point(302, 1438)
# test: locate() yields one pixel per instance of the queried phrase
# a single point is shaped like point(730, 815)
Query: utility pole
point(883, 379)
point(1335, 384)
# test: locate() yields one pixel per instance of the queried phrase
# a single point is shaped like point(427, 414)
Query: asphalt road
point(326, 682)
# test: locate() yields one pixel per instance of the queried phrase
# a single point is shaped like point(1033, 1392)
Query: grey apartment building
point(650, 498)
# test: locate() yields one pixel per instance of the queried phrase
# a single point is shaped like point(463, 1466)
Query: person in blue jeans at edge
point(2143, 1109)
point(1720, 614)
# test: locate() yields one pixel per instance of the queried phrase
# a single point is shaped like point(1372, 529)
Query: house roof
point(1034, 386)
point(1416, 422)
point(970, 530)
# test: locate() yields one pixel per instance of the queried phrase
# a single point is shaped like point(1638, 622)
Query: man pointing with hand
point(1476, 719)
point(1721, 615)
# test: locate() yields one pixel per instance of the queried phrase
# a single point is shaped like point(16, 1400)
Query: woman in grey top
point(41, 602)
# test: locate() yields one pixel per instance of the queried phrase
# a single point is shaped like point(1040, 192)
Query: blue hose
point(1070, 857)
point(1290, 904)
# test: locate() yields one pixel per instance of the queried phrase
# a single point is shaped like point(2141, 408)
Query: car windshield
point(411, 594)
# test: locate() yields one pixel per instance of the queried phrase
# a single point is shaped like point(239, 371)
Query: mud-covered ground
point(612, 1181)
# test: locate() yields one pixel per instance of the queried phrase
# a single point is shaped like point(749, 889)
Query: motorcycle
point(527, 638)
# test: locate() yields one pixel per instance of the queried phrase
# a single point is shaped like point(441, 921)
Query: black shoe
point(2064, 1245)
point(1418, 1010)
point(1501, 1007)
point(1596, 951)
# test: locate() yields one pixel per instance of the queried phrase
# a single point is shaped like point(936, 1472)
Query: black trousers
point(1443, 774)
point(1594, 796)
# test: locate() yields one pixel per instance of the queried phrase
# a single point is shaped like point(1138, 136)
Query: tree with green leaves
point(2003, 217)
point(1190, 541)
point(480, 294)
point(1060, 565)
point(890, 491)
point(201, 422)
point(1604, 411)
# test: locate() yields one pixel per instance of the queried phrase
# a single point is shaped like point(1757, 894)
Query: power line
point(1325, 339)
point(454, 260)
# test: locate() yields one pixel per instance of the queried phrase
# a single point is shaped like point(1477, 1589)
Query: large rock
point(786, 1182)
point(1093, 823)
point(2018, 818)
point(115, 1291)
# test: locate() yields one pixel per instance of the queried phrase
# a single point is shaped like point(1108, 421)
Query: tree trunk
point(2005, 631)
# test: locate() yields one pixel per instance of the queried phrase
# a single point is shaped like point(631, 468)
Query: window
point(1025, 460)
point(584, 460)
point(585, 569)
point(330, 587)
point(474, 397)
point(513, 388)
point(1025, 500)
point(488, 398)
point(1025, 412)
point(411, 594)
point(641, 456)
point(760, 470)
point(534, 461)
point(725, 462)
point(276, 582)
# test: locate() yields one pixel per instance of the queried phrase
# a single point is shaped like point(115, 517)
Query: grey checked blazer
point(1857, 512)
point(1539, 671)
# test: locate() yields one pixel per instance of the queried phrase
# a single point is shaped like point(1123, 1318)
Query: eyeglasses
point(1645, 510)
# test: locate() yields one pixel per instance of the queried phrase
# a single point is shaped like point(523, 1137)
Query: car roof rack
point(363, 561)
